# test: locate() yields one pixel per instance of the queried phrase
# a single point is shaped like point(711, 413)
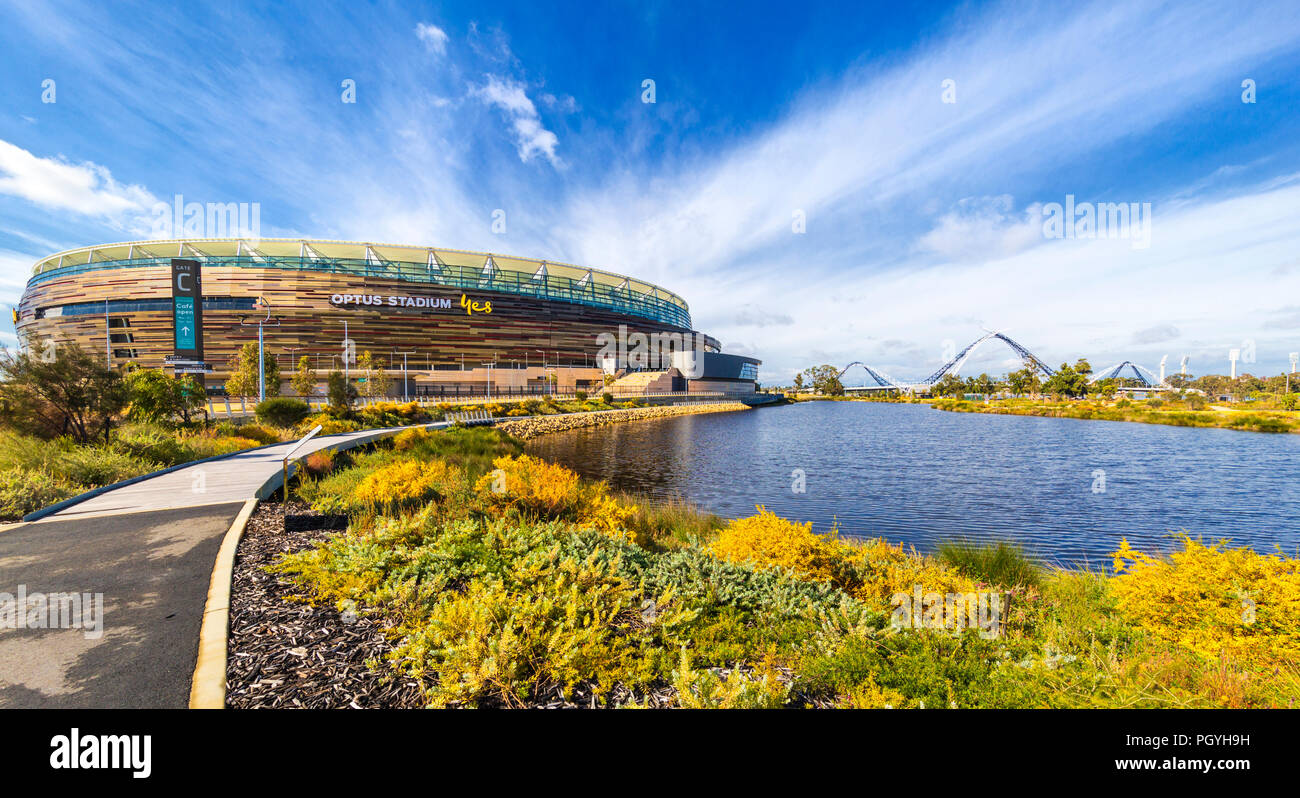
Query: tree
point(1068, 381)
point(243, 380)
point(1025, 380)
point(341, 392)
point(825, 380)
point(798, 382)
point(377, 382)
point(155, 396)
point(303, 381)
point(948, 385)
point(64, 390)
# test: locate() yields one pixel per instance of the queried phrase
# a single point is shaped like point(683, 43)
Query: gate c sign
point(187, 308)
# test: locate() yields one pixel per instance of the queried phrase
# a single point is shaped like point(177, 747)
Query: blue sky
point(924, 218)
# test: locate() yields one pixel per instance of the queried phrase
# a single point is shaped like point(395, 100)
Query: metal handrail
point(284, 464)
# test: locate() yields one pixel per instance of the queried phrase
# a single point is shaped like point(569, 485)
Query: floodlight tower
point(1295, 356)
point(1233, 356)
point(1183, 365)
point(1163, 361)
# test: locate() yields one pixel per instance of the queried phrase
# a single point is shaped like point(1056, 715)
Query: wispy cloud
point(531, 137)
point(434, 37)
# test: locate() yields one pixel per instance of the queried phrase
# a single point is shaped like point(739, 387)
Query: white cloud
point(531, 138)
point(984, 227)
point(434, 37)
point(85, 188)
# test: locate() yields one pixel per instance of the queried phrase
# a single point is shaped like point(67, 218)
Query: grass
point(515, 583)
point(35, 473)
point(1155, 411)
point(997, 563)
point(668, 524)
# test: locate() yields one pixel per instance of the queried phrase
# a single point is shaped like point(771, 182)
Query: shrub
point(319, 463)
point(153, 443)
point(329, 424)
point(581, 396)
point(409, 439)
point(23, 491)
point(259, 433)
point(1214, 600)
point(607, 398)
point(95, 466)
point(535, 489)
point(406, 484)
point(703, 689)
point(282, 411)
point(769, 541)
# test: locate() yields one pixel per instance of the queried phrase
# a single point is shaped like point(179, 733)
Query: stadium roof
point(328, 252)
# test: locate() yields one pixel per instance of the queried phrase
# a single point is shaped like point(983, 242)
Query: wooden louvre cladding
point(310, 323)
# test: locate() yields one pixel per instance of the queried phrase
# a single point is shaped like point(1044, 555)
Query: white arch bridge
point(1144, 377)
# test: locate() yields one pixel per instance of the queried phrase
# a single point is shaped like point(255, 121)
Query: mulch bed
point(283, 652)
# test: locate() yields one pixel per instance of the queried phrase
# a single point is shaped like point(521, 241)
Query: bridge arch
point(883, 380)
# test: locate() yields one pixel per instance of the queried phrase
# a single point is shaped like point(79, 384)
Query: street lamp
point(489, 378)
point(405, 393)
point(261, 357)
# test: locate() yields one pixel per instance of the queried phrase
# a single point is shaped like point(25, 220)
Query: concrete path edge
point(208, 685)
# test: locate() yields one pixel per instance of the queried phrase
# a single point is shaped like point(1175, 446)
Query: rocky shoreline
point(533, 426)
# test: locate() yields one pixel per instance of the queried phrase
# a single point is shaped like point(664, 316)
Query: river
point(1066, 489)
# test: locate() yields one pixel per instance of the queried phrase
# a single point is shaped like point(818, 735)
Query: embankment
point(533, 426)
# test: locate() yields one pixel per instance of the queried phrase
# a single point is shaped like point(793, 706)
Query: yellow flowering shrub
point(872, 570)
point(1214, 600)
point(404, 484)
point(768, 541)
point(409, 439)
point(407, 410)
point(536, 488)
point(329, 425)
point(884, 569)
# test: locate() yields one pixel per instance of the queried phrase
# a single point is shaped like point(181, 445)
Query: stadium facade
point(452, 321)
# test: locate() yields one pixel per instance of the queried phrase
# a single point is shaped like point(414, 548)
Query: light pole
point(261, 356)
point(405, 393)
point(293, 365)
point(489, 379)
point(548, 382)
point(346, 342)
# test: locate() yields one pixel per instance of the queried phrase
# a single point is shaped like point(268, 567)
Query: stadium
point(441, 322)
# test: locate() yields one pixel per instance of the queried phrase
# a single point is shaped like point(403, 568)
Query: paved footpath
point(148, 548)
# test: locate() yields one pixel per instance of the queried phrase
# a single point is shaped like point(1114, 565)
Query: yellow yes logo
point(471, 307)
